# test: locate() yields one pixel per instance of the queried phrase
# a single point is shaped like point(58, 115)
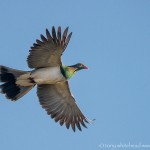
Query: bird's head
point(69, 71)
point(78, 67)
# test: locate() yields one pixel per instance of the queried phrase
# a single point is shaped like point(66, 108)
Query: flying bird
point(51, 77)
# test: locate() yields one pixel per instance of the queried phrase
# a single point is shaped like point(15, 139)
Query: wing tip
point(43, 38)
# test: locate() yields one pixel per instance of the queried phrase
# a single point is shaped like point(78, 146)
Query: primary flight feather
point(51, 78)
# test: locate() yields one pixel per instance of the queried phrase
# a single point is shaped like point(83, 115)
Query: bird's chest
point(49, 75)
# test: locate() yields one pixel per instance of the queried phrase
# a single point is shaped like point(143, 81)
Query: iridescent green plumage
point(69, 71)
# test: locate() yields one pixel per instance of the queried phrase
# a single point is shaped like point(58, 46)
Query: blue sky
point(113, 39)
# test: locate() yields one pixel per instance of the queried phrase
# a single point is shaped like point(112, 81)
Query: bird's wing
point(57, 100)
point(48, 51)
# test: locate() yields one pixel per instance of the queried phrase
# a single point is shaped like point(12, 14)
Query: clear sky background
point(112, 37)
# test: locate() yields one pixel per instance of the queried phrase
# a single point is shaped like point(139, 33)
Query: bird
point(50, 76)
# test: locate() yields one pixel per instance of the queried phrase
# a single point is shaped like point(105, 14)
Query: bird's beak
point(85, 67)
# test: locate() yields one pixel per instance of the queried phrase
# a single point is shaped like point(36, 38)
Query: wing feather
point(49, 37)
point(57, 100)
point(67, 40)
point(43, 38)
point(47, 51)
point(54, 34)
point(59, 35)
point(64, 35)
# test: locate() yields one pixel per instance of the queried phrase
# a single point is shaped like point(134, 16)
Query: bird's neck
point(67, 71)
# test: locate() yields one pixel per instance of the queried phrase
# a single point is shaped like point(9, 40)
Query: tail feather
point(9, 87)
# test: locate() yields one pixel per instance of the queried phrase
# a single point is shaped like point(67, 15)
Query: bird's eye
point(81, 65)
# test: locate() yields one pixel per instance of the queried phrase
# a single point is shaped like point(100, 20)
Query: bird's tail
point(9, 87)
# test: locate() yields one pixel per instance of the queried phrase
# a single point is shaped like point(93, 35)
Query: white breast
point(49, 75)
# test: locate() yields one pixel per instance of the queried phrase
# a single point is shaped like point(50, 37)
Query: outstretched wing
point(47, 53)
point(57, 100)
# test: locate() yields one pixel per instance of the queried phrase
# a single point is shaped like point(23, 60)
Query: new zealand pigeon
point(51, 78)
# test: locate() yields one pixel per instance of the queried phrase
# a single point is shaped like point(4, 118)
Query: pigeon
point(51, 77)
